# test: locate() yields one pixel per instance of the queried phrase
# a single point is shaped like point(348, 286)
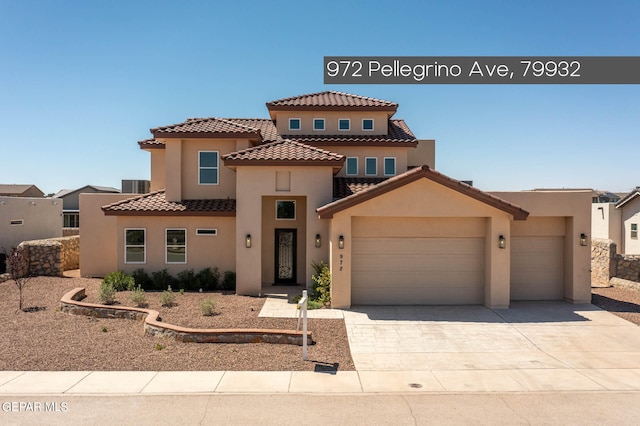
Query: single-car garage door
point(417, 271)
point(537, 268)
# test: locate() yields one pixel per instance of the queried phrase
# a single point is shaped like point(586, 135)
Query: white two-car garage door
point(425, 270)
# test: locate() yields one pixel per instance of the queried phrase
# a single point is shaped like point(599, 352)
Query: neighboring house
point(618, 221)
point(332, 176)
point(8, 190)
point(28, 218)
point(71, 202)
point(135, 186)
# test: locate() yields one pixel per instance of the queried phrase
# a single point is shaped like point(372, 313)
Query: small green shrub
point(160, 346)
point(229, 280)
point(121, 281)
point(162, 279)
point(104, 329)
point(208, 279)
point(168, 298)
point(138, 297)
point(187, 280)
point(208, 306)
point(142, 279)
point(107, 294)
point(322, 283)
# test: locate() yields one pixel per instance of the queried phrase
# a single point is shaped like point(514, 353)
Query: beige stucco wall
point(630, 214)
point(98, 249)
point(42, 218)
point(424, 198)
point(202, 250)
point(158, 169)
point(256, 182)
point(575, 208)
point(423, 154)
point(606, 222)
point(380, 122)
point(379, 152)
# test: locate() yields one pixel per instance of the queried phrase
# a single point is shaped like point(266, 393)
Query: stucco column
point(577, 260)
point(340, 261)
point(173, 168)
point(497, 290)
point(248, 222)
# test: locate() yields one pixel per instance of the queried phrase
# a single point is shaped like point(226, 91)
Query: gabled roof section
point(285, 152)
point(106, 189)
point(635, 193)
point(423, 172)
point(331, 100)
point(20, 190)
point(207, 128)
point(345, 186)
point(399, 134)
point(156, 204)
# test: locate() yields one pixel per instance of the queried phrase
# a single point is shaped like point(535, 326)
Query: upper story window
point(344, 124)
point(295, 124)
point(208, 167)
point(318, 124)
point(634, 231)
point(371, 166)
point(135, 246)
point(176, 246)
point(352, 166)
point(389, 166)
point(367, 124)
point(286, 209)
point(16, 222)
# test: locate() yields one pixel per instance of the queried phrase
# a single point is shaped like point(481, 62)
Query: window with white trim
point(208, 167)
point(344, 124)
point(389, 166)
point(352, 166)
point(135, 250)
point(212, 232)
point(634, 231)
point(318, 124)
point(371, 166)
point(16, 222)
point(176, 246)
point(295, 124)
point(367, 124)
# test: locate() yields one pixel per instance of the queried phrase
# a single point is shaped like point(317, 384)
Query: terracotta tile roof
point(331, 99)
point(398, 134)
point(345, 186)
point(156, 204)
point(207, 127)
point(629, 197)
point(151, 144)
point(283, 152)
point(423, 172)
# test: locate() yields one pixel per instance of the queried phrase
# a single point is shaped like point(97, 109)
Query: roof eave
point(165, 213)
point(330, 163)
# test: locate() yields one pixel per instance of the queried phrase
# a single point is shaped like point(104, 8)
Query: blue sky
point(81, 82)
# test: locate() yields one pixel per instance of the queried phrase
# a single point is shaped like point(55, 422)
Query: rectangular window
point(352, 166)
point(208, 167)
point(210, 232)
point(294, 124)
point(16, 222)
point(634, 231)
point(176, 246)
point(367, 124)
point(135, 246)
point(344, 124)
point(389, 166)
point(371, 166)
point(285, 210)
point(318, 124)
point(71, 220)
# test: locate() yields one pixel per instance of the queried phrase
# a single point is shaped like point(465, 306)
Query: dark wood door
point(285, 256)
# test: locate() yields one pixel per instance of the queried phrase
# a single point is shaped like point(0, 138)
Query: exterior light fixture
point(583, 239)
point(502, 242)
point(341, 242)
point(318, 242)
point(247, 241)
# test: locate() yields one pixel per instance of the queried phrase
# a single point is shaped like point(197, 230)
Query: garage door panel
point(537, 268)
point(418, 270)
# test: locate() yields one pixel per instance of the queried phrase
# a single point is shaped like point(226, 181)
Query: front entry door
point(285, 254)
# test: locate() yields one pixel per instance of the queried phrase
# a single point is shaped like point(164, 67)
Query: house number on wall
point(341, 256)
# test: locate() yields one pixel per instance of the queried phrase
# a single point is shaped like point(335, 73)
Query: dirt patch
point(47, 339)
point(621, 301)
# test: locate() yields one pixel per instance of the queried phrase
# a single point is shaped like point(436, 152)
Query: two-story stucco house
point(335, 177)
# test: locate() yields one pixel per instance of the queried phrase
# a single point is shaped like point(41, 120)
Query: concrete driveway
point(532, 346)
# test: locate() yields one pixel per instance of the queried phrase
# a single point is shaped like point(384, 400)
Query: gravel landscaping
point(47, 339)
point(621, 301)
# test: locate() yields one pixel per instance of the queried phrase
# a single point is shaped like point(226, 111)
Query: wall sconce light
point(583, 239)
point(341, 242)
point(502, 242)
point(247, 241)
point(318, 242)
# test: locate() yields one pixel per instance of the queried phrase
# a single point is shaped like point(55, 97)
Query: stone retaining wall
point(53, 256)
point(606, 264)
point(71, 304)
point(68, 232)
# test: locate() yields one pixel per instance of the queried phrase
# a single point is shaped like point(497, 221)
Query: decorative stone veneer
point(51, 257)
point(68, 232)
point(153, 326)
point(606, 264)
